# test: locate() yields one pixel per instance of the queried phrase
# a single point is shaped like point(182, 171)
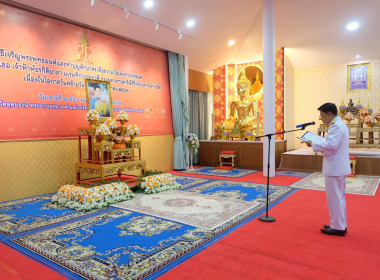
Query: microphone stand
point(267, 218)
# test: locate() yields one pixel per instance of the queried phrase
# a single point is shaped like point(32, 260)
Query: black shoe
point(328, 226)
point(331, 231)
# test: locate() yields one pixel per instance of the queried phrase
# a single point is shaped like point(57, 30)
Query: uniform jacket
point(336, 160)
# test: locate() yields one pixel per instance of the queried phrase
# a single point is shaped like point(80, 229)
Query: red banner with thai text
point(43, 66)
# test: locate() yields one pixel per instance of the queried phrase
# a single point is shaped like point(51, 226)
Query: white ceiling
point(312, 31)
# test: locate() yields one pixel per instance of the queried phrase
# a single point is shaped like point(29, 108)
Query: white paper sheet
point(310, 136)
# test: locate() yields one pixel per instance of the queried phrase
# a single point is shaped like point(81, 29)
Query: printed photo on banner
point(359, 77)
point(99, 97)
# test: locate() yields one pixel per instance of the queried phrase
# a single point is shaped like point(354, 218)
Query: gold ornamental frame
point(359, 77)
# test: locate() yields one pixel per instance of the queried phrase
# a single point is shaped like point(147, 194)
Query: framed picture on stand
point(98, 94)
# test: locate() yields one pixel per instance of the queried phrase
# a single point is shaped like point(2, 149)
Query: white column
point(186, 60)
point(269, 85)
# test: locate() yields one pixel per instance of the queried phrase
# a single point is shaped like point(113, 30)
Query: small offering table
point(103, 171)
point(104, 159)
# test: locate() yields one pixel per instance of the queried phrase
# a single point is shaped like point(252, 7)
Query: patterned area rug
point(212, 171)
point(30, 213)
point(363, 185)
point(188, 181)
point(253, 192)
point(292, 173)
point(119, 244)
point(201, 211)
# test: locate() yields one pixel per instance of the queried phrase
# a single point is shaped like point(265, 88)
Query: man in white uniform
point(336, 166)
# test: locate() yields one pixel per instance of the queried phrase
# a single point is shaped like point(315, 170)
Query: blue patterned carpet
point(188, 181)
point(212, 171)
point(120, 244)
point(31, 213)
point(292, 173)
point(253, 192)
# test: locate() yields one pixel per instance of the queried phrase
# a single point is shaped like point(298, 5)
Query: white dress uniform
point(336, 166)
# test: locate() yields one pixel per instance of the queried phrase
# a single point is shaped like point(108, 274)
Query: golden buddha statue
point(243, 111)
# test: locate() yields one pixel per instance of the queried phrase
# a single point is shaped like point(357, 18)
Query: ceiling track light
point(92, 2)
point(157, 24)
point(126, 13)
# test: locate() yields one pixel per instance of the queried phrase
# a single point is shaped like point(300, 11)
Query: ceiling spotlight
point(92, 2)
point(126, 13)
point(352, 26)
point(156, 25)
point(180, 35)
point(190, 23)
point(148, 3)
point(357, 56)
point(231, 43)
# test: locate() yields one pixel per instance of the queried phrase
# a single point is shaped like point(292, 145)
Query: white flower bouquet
point(192, 142)
point(85, 199)
point(122, 116)
point(103, 130)
point(133, 130)
point(159, 183)
point(92, 115)
point(111, 123)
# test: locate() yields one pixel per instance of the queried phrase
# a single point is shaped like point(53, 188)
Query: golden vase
point(93, 125)
point(123, 128)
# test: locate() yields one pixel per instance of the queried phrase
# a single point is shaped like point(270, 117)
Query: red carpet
point(293, 247)
point(14, 265)
point(290, 248)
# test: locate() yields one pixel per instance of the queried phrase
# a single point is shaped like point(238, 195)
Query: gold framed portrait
point(359, 77)
point(99, 97)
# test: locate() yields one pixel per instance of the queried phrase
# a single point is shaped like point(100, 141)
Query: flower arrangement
point(86, 199)
point(349, 116)
point(342, 106)
point(370, 110)
point(112, 124)
point(363, 111)
point(369, 120)
point(159, 183)
point(133, 130)
point(118, 138)
point(192, 142)
point(92, 115)
point(103, 130)
point(122, 116)
point(358, 106)
point(376, 116)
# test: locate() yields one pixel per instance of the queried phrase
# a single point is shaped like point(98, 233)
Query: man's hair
point(328, 107)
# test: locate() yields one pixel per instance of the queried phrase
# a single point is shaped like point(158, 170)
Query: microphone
point(305, 125)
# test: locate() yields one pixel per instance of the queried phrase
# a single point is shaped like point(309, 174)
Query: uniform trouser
point(335, 194)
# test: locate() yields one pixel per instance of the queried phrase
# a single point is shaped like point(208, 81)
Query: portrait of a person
point(99, 100)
